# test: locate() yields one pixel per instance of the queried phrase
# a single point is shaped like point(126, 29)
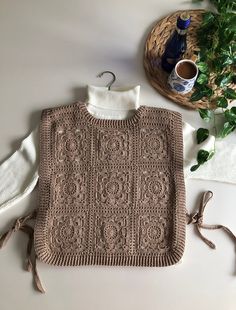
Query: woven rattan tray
point(154, 48)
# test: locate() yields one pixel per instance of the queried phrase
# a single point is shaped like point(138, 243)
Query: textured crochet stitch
point(111, 192)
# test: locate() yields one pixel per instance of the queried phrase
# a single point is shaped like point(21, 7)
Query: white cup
point(182, 82)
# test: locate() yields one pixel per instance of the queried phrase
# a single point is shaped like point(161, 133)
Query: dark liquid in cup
point(186, 70)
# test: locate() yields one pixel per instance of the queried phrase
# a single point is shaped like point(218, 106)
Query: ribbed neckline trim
point(131, 121)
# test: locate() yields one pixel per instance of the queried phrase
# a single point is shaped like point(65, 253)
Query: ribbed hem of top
point(158, 260)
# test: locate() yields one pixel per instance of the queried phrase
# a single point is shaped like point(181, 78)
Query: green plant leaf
point(217, 65)
point(226, 55)
point(230, 116)
point(202, 56)
point(202, 79)
point(231, 21)
point(194, 167)
point(201, 91)
point(230, 93)
point(206, 114)
point(202, 135)
point(197, 95)
point(208, 91)
point(226, 130)
point(202, 156)
point(202, 66)
point(223, 79)
point(233, 110)
point(211, 154)
point(221, 102)
point(208, 19)
point(223, 6)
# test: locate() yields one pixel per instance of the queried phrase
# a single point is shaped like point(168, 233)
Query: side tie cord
point(197, 220)
point(21, 224)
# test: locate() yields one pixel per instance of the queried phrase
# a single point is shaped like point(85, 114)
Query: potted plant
point(217, 77)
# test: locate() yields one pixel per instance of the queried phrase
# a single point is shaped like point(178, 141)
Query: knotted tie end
point(197, 220)
point(21, 224)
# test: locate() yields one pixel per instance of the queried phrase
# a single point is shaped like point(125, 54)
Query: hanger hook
point(113, 78)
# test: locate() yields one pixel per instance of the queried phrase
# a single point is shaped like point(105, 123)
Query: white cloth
point(19, 173)
point(119, 104)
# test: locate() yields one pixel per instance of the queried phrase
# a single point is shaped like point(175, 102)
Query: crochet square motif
point(112, 234)
point(114, 145)
point(154, 233)
point(67, 233)
point(113, 190)
point(155, 187)
point(70, 189)
point(70, 144)
point(153, 144)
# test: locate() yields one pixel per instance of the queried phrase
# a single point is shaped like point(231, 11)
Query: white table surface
point(50, 50)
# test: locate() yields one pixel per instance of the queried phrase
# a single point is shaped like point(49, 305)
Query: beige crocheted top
point(111, 192)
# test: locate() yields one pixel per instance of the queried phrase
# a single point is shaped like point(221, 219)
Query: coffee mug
point(183, 76)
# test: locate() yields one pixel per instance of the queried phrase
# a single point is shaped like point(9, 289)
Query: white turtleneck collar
point(112, 104)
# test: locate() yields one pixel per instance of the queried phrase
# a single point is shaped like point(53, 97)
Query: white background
point(50, 50)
